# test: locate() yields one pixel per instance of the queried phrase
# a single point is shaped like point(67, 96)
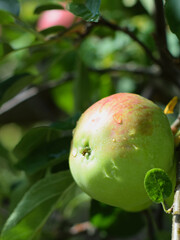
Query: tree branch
point(31, 92)
point(160, 25)
point(125, 30)
point(169, 69)
point(152, 71)
point(176, 207)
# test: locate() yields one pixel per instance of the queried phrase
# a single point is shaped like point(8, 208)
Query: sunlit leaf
point(171, 105)
point(172, 8)
point(158, 185)
point(36, 205)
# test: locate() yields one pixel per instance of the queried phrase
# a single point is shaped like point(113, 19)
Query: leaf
point(172, 9)
point(45, 7)
point(158, 185)
point(171, 105)
point(53, 29)
point(148, 5)
point(40, 148)
point(108, 219)
point(13, 85)
point(5, 17)
point(68, 124)
point(11, 6)
point(36, 205)
point(87, 9)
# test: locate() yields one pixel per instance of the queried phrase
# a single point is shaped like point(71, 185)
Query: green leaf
point(68, 124)
point(40, 148)
point(5, 17)
point(45, 7)
point(148, 5)
point(108, 219)
point(87, 9)
point(35, 207)
point(33, 139)
point(5, 48)
point(13, 85)
point(11, 6)
point(53, 29)
point(158, 185)
point(172, 9)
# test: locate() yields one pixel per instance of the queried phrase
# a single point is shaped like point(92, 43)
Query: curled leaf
point(171, 105)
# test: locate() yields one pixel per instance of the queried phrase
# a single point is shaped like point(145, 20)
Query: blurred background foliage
point(47, 79)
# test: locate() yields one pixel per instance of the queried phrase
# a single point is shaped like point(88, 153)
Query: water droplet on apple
point(117, 118)
point(114, 140)
point(74, 152)
point(132, 132)
point(135, 147)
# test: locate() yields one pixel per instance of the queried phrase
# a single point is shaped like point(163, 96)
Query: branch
point(175, 125)
point(176, 208)
point(176, 204)
point(152, 71)
point(31, 92)
point(125, 30)
point(169, 67)
point(160, 26)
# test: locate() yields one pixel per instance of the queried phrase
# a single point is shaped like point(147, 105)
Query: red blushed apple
point(116, 141)
point(52, 18)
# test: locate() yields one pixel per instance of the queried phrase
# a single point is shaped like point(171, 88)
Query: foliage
point(47, 80)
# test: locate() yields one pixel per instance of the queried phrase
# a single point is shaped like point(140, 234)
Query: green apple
point(116, 141)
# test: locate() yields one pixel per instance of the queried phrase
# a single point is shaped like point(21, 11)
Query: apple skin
point(116, 141)
point(52, 18)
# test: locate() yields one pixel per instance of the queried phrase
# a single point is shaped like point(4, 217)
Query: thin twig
point(31, 92)
point(152, 71)
point(175, 125)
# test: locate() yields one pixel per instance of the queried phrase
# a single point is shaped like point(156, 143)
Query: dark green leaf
point(108, 219)
point(5, 48)
point(12, 6)
point(46, 155)
point(53, 29)
point(34, 138)
point(5, 17)
point(40, 148)
point(87, 9)
point(13, 85)
point(172, 8)
point(68, 124)
point(158, 185)
point(36, 205)
point(49, 6)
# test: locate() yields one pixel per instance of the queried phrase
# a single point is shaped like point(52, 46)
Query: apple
point(116, 141)
point(52, 18)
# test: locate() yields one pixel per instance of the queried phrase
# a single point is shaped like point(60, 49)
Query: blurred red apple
point(52, 18)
